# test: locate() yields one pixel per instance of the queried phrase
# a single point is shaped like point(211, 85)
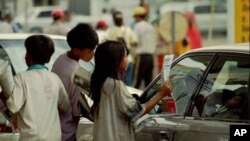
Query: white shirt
point(35, 99)
point(5, 27)
point(146, 35)
point(118, 110)
point(57, 28)
point(127, 33)
point(102, 35)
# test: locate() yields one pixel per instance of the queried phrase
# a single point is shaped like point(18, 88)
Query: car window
point(44, 14)
point(184, 78)
point(204, 9)
point(225, 97)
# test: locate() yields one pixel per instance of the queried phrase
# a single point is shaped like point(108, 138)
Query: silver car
point(210, 93)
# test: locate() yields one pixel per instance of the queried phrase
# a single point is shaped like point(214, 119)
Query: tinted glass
point(202, 9)
point(224, 95)
point(184, 78)
point(45, 14)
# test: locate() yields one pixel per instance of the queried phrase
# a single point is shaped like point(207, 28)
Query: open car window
point(184, 77)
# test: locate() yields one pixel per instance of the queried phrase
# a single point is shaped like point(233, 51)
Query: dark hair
point(40, 48)
point(108, 57)
point(228, 94)
point(82, 36)
point(117, 18)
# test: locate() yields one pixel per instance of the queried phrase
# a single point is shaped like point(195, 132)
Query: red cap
point(101, 23)
point(57, 13)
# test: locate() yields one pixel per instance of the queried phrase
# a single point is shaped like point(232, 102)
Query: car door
point(185, 77)
point(228, 79)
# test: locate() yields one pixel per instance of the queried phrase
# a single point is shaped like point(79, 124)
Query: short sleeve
point(127, 104)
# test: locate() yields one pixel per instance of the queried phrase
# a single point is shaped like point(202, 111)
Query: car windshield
point(16, 52)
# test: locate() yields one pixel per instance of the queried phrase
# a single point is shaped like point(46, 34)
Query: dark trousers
point(145, 69)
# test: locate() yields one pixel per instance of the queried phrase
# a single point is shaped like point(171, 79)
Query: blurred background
point(212, 16)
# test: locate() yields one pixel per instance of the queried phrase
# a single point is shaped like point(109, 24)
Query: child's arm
point(6, 79)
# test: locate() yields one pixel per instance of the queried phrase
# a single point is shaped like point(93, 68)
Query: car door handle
point(164, 135)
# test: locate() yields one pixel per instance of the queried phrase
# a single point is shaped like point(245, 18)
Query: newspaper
point(166, 66)
point(81, 77)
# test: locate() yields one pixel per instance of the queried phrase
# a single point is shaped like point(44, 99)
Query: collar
point(37, 67)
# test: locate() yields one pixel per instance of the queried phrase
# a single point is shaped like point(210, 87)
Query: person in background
point(115, 109)
point(57, 27)
point(193, 34)
point(82, 40)
point(147, 41)
point(68, 20)
point(123, 33)
point(37, 95)
point(15, 26)
point(101, 30)
point(5, 27)
point(107, 17)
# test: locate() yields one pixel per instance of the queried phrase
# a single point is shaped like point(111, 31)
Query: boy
point(36, 94)
point(82, 40)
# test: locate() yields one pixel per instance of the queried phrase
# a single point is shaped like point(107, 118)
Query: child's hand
point(166, 89)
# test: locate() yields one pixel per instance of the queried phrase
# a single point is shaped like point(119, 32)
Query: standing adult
point(147, 40)
point(107, 17)
point(82, 40)
point(57, 27)
point(101, 30)
point(5, 27)
point(123, 33)
point(193, 35)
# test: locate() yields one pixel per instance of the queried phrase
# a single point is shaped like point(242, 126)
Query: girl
point(114, 108)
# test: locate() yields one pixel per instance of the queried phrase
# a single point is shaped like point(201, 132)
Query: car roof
point(20, 36)
point(240, 48)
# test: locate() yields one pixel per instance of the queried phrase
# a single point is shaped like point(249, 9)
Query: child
point(114, 107)
point(82, 39)
point(36, 94)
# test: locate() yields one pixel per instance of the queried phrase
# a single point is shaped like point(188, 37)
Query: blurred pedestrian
point(68, 20)
point(101, 30)
point(57, 27)
point(107, 17)
point(82, 40)
point(145, 50)
point(193, 35)
point(36, 95)
point(115, 109)
point(5, 27)
point(15, 26)
point(123, 33)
